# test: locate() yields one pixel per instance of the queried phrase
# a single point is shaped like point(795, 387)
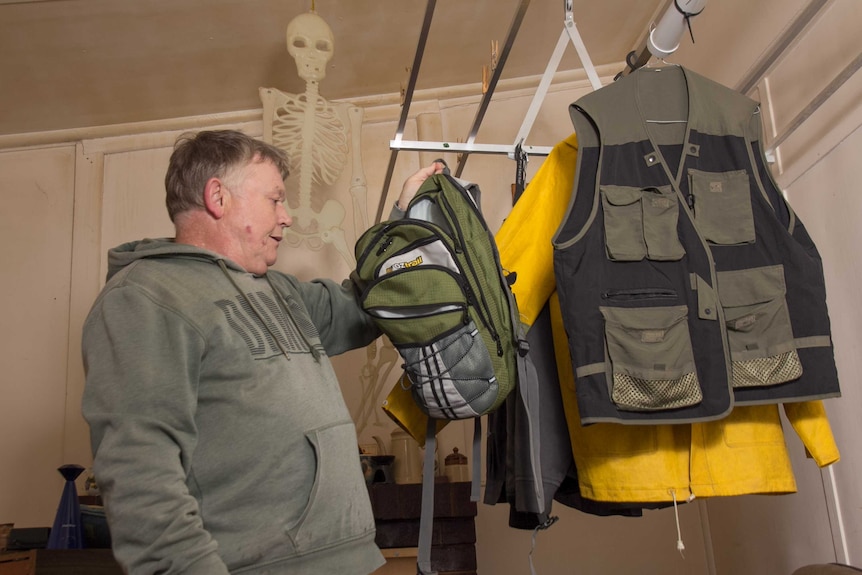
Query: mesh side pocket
point(651, 358)
point(452, 377)
point(639, 394)
point(780, 368)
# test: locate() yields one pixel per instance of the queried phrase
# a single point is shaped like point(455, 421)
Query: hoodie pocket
point(651, 358)
point(762, 347)
point(338, 506)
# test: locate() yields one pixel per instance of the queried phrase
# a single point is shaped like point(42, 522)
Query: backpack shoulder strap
point(426, 518)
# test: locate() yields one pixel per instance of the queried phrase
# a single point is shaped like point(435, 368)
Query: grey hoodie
point(221, 440)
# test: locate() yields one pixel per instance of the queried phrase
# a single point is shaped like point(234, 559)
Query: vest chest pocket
point(651, 358)
point(762, 347)
point(641, 223)
point(722, 206)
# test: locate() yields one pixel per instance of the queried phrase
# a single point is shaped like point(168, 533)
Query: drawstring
point(542, 527)
point(680, 546)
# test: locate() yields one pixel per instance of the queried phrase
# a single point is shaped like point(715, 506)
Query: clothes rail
point(495, 77)
point(396, 144)
point(569, 33)
point(405, 105)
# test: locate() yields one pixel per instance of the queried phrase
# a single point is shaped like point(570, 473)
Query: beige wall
point(65, 205)
point(36, 232)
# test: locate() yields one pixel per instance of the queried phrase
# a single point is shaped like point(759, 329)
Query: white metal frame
point(569, 34)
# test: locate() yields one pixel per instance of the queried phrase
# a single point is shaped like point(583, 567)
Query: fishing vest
point(686, 281)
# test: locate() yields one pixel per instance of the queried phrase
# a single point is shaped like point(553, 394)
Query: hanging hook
point(521, 160)
point(403, 91)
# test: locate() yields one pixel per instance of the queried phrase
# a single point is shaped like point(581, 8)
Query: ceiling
point(69, 64)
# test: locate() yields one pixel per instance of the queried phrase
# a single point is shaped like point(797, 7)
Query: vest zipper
point(639, 294)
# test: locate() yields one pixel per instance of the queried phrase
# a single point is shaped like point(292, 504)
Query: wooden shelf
point(59, 562)
point(397, 509)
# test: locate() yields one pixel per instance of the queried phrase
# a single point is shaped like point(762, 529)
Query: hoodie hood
point(130, 252)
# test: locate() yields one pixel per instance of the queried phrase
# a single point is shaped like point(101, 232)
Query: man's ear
point(214, 197)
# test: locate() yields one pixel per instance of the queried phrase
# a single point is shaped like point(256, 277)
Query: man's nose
point(284, 218)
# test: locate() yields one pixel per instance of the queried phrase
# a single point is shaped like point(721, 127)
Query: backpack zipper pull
point(385, 244)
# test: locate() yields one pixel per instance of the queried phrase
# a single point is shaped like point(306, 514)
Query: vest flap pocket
point(621, 195)
point(436, 303)
point(722, 206)
point(651, 358)
point(762, 348)
point(746, 287)
point(623, 219)
point(661, 214)
point(641, 223)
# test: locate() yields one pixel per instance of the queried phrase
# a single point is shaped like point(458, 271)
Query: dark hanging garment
point(687, 283)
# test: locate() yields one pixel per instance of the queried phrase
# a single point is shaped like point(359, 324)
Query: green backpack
point(434, 285)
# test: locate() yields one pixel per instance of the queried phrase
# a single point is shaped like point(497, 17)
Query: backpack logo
point(403, 265)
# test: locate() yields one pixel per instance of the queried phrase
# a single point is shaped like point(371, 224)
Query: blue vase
point(66, 532)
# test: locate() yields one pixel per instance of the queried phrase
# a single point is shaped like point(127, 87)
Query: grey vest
point(686, 280)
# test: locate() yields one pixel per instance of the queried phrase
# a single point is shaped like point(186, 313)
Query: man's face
point(255, 215)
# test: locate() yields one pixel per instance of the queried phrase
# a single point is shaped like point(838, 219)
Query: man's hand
point(412, 184)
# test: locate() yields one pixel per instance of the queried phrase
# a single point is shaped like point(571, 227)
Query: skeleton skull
point(310, 42)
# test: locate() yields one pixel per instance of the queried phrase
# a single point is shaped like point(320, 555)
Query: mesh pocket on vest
point(651, 358)
point(646, 394)
point(780, 368)
point(762, 347)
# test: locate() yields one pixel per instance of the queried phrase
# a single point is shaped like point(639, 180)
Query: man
point(221, 440)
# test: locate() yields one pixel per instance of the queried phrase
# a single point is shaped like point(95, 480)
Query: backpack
point(434, 285)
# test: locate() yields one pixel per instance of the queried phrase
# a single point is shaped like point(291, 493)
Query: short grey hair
point(197, 157)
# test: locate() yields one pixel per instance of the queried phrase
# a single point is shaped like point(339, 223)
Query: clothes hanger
point(658, 64)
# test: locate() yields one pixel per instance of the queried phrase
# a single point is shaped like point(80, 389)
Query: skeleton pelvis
point(308, 222)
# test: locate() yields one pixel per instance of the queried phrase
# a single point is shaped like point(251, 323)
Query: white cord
point(542, 527)
point(680, 546)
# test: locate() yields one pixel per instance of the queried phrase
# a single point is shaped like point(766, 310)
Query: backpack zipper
point(484, 309)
